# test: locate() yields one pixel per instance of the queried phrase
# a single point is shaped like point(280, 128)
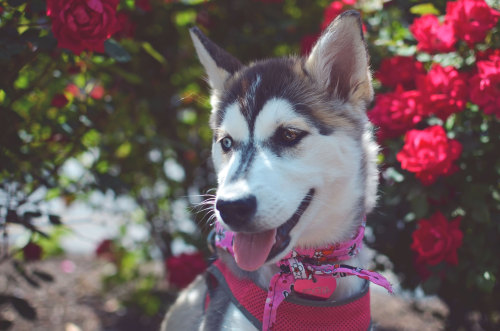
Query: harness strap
point(295, 312)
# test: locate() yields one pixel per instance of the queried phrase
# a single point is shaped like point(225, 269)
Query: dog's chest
point(235, 320)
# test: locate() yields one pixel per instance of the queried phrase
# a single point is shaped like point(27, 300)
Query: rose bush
point(440, 169)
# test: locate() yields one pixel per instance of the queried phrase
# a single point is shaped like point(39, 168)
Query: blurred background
point(105, 154)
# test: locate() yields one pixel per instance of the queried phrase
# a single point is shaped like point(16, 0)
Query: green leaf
point(431, 285)
point(153, 52)
point(420, 206)
point(423, 9)
point(186, 17)
point(116, 51)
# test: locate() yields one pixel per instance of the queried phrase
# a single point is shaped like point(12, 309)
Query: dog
point(296, 168)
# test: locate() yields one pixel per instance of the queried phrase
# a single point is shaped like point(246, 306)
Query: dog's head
point(292, 149)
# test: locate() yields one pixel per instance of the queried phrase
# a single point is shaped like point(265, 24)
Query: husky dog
point(295, 162)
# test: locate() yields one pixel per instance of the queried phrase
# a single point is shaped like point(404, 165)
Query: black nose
point(237, 213)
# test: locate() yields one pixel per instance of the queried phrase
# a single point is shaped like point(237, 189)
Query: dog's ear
point(218, 63)
point(339, 60)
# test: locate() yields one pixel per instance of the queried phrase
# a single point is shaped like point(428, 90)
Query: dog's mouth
point(252, 250)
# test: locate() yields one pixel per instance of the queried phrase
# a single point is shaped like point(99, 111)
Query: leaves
point(116, 51)
point(424, 9)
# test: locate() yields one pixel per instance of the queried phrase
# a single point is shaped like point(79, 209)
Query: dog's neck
point(349, 252)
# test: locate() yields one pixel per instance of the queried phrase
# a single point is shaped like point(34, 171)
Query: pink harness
point(302, 268)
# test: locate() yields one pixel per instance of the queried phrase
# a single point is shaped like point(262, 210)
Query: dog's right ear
point(218, 63)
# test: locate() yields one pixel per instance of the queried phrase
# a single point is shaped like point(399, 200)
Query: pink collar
point(302, 267)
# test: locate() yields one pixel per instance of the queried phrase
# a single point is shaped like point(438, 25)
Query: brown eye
point(289, 135)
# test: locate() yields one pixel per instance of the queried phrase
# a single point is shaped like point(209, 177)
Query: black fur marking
point(275, 77)
point(222, 58)
point(279, 146)
point(247, 156)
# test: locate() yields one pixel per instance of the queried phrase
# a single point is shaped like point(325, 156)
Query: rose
point(429, 153)
point(83, 24)
point(107, 250)
point(485, 91)
point(59, 100)
point(432, 36)
point(32, 252)
point(444, 91)
point(307, 43)
point(395, 112)
point(399, 70)
point(436, 240)
point(472, 19)
point(183, 269)
point(331, 12)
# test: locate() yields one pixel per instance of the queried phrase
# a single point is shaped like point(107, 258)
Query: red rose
point(399, 70)
point(485, 86)
point(472, 19)
point(437, 240)
point(487, 54)
point(307, 43)
point(127, 28)
point(183, 269)
point(73, 89)
point(431, 35)
point(444, 90)
point(97, 92)
point(429, 153)
point(83, 24)
point(106, 250)
point(59, 100)
point(32, 252)
point(331, 12)
point(396, 112)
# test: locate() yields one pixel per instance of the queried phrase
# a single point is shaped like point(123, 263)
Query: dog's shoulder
point(187, 311)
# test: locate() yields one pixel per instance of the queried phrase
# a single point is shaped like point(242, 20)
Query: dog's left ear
point(339, 60)
point(218, 63)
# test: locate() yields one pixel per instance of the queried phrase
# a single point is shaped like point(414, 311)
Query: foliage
point(126, 100)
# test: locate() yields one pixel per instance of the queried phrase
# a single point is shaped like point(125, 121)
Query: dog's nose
point(237, 212)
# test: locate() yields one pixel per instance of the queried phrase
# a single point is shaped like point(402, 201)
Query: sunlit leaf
point(424, 9)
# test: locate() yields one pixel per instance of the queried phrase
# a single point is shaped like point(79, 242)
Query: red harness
point(294, 313)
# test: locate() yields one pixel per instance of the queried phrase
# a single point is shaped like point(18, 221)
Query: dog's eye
point(226, 143)
point(291, 136)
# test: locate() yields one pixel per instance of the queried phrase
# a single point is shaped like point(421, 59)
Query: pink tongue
point(252, 249)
